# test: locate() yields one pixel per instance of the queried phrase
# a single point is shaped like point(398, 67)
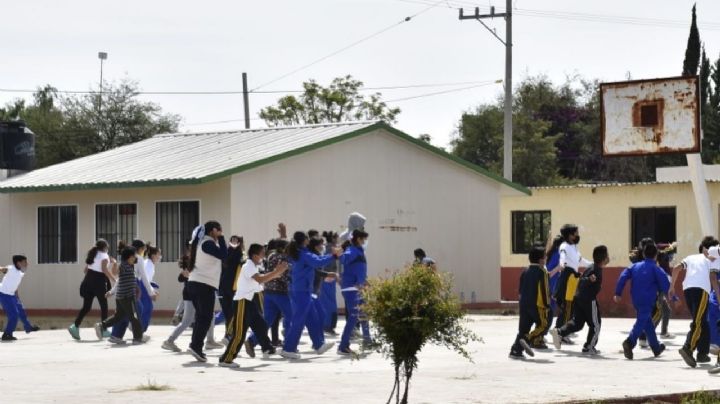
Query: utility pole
point(246, 101)
point(507, 126)
point(102, 56)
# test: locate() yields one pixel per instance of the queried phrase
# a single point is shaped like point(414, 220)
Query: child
point(534, 304)
point(699, 278)
point(570, 261)
point(647, 280)
point(353, 279)
point(10, 300)
point(247, 306)
point(586, 307)
point(125, 292)
point(98, 271)
point(421, 258)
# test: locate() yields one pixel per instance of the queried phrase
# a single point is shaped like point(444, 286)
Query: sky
point(205, 46)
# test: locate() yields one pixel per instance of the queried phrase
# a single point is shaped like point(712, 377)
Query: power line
point(233, 92)
point(388, 101)
point(586, 17)
point(353, 44)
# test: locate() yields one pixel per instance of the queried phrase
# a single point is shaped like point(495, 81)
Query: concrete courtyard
point(48, 366)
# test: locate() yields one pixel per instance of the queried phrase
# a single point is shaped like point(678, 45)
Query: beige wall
point(53, 286)
point(446, 209)
point(603, 214)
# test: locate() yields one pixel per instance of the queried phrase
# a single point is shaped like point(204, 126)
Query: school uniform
point(571, 260)
point(11, 303)
point(228, 279)
point(143, 283)
point(586, 310)
point(714, 318)
point(354, 277)
point(647, 281)
point(534, 307)
point(247, 313)
point(125, 292)
point(145, 297)
point(94, 286)
point(276, 301)
point(697, 289)
point(302, 275)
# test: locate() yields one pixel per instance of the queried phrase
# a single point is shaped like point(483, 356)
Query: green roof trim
point(278, 157)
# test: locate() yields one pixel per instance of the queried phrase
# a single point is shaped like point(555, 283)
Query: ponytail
point(100, 245)
point(151, 250)
point(193, 254)
point(293, 249)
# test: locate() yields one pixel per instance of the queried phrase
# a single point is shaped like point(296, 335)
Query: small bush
point(701, 397)
point(409, 309)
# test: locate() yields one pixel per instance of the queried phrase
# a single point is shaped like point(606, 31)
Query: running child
point(247, 306)
point(534, 304)
point(647, 281)
point(571, 261)
point(10, 300)
point(586, 306)
point(353, 280)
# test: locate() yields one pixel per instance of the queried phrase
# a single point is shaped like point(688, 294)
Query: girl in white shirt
point(98, 277)
point(154, 256)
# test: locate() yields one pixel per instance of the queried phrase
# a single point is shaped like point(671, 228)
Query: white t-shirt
point(697, 272)
point(11, 281)
point(570, 257)
point(97, 263)
point(150, 269)
point(247, 286)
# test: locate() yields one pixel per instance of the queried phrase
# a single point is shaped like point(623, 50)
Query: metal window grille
point(57, 234)
point(175, 222)
point(528, 228)
point(115, 223)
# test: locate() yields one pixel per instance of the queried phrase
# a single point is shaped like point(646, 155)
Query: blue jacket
point(647, 280)
point(355, 267)
point(303, 269)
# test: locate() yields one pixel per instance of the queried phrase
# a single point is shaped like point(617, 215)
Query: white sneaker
point(290, 355)
point(591, 351)
point(324, 348)
point(225, 341)
point(115, 340)
point(213, 345)
point(99, 330)
point(557, 339)
point(231, 365)
point(144, 339)
point(170, 346)
point(714, 349)
point(643, 343)
point(268, 354)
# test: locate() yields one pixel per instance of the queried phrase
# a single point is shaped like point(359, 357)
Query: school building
point(617, 215)
point(413, 194)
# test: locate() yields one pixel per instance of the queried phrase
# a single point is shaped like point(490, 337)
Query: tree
point(72, 127)
point(340, 101)
point(692, 52)
point(408, 310)
point(425, 138)
point(711, 114)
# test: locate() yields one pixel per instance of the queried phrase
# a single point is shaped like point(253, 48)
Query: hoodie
point(303, 269)
point(647, 280)
point(355, 264)
point(355, 221)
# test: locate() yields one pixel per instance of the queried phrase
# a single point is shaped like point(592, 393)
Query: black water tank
point(17, 146)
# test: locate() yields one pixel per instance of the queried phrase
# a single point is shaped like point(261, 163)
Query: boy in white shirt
point(246, 306)
point(10, 300)
point(700, 280)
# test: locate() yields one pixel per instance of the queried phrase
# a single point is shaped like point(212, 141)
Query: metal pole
point(246, 101)
point(101, 85)
point(507, 126)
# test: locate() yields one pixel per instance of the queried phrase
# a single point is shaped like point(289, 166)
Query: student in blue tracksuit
point(647, 281)
point(328, 295)
point(10, 300)
point(353, 279)
point(552, 257)
point(304, 263)
point(154, 256)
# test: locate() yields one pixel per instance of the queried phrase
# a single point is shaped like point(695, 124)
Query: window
point(115, 222)
point(658, 223)
point(57, 234)
point(175, 222)
point(529, 227)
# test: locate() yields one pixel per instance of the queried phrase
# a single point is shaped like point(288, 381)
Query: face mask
point(365, 244)
point(577, 240)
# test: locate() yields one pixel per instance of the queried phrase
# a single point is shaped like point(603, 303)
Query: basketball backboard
point(657, 116)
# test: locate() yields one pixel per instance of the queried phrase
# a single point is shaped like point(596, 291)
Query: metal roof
point(614, 184)
point(194, 158)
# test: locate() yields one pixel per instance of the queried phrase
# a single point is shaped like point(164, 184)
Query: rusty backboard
point(655, 116)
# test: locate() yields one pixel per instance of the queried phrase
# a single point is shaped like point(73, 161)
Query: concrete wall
point(55, 286)
point(411, 197)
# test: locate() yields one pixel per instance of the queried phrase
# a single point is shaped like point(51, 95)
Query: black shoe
point(627, 349)
point(32, 329)
point(8, 338)
point(278, 343)
point(687, 357)
point(516, 355)
point(703, 358)
point(661, 349)
point(526, 347)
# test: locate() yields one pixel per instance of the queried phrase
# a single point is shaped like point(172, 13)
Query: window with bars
point(657, 222)
point(174, 223)
point(116, 222)
point(57, 234)
point(528, 228)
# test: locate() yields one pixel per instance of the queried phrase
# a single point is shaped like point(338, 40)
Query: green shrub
point(409, 309)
